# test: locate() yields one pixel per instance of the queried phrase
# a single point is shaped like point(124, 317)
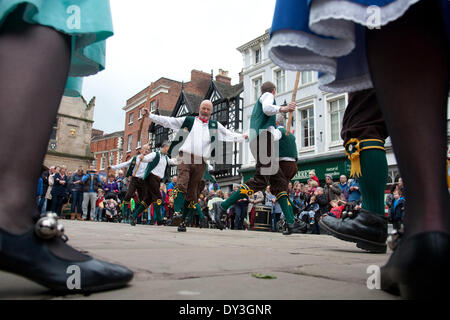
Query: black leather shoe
point(419, 267)
point(296, 227)
point(182, 227)
point(368, 230)
point(55, 265)
point(132, 221)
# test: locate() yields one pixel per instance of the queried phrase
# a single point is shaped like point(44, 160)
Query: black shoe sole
point(367, 245)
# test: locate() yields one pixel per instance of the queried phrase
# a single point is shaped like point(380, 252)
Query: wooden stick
point(294, 97)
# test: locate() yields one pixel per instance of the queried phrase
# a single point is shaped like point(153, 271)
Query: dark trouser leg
point(279, 185)
point(408, 60)
point(265, 167)
point(36, 58)
point(363, 120)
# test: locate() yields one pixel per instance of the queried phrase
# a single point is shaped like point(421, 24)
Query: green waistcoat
point(287, 145)
point(260, 120)
point(184, 131)
point(152, 165)
point(131, 167)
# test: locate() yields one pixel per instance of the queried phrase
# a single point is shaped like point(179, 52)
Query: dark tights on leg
point(408, 59)
point(34, 64)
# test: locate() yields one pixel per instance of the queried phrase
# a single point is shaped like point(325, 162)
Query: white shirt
point(198, 141)
point(160, 168)
point(136, 173)
point(270, 109)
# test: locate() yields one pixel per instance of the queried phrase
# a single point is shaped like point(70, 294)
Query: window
point(54, 129)
point(103, 161)
point(280, 80)
point(140, 113)
point(153, 106)
point(337, 108)
point(307, 127)
point(130, 138)
point(220, 113)
point(257, 56)
point(111, 159)
point(119, 157)
point(306, 77)
point(130, 118)
point(256, 83)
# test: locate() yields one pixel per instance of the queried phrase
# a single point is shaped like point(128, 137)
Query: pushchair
point(303, 213)
point(111, 211)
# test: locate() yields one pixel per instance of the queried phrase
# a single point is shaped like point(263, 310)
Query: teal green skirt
point(88, 22)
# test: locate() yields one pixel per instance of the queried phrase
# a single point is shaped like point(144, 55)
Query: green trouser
point(286, 206)
point(372, 182)
point(243, 192)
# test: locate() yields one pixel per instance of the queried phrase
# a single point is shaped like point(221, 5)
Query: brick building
point(107, 149)
point(227, 109)
point(163, 95)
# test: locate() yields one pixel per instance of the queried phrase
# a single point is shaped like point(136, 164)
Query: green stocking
point(179, 201)
point(373, 179)
point(286, 206)
point(139, 209)
point(243, 191)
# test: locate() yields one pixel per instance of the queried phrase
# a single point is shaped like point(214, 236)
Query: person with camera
point(91, 183)
point(59, 190)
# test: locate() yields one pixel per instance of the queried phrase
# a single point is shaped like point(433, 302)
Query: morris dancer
point(262, 135)
point(135, 173)
point(156, 163)
point(193, 146)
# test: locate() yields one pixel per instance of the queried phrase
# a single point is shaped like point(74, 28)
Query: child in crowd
point(110, 209)
point(99, 205)
point(398, 210)
point(336, 208)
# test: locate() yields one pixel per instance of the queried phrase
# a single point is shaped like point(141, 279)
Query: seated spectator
point(256, 199)
point(214, 212)
point(336, 208)
point(110, 209)
point(331, 189)
point(99, 205)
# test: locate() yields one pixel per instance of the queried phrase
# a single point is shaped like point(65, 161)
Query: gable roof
point(226, 91)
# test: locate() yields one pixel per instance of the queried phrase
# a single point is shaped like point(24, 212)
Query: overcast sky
point(169, 38)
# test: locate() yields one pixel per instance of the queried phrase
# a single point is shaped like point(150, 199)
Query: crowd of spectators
point(98, 197)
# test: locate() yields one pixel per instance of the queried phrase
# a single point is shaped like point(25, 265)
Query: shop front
point(335, 165)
